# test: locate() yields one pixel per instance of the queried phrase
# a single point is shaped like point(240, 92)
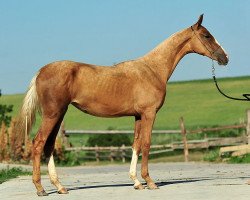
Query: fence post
point(248, 126)
point(184, 138)
point(123, 153)
point(64, 137)
point(97, 157)
point(111, 154)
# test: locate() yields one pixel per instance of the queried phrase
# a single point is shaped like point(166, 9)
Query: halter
point(246, 96)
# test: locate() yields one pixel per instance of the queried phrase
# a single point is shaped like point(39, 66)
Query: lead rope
point(247, 96)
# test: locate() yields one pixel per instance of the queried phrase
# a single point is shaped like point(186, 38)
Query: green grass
point(240, 159)
point(6, 174)
point(197, 101)
point(212, 155)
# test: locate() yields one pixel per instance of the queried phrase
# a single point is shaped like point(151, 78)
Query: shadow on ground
point(159, 184)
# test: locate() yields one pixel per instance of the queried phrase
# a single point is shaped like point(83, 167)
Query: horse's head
point(202, 42)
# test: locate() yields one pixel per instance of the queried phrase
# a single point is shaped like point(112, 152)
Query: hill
point(197, 101)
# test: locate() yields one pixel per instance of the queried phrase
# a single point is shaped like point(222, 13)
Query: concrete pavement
point(177, 181)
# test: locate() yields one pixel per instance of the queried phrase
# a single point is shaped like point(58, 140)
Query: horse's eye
point(207, 36)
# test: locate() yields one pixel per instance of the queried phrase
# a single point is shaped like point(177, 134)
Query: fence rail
point(122, 152)
point(202, 130)
point(72, 132)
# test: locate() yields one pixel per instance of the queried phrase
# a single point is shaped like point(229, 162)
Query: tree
point(4, 111)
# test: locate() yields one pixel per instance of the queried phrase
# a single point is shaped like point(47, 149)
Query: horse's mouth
point(223, 61)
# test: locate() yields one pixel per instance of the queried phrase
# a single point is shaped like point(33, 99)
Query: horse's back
point(55, 80)
point(67, 81)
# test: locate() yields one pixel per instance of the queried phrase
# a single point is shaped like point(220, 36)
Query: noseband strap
point(211, 52)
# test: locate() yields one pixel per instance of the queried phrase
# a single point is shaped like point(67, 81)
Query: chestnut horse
point(132, 88)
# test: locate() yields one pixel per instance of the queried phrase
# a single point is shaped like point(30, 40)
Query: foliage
point(70, 158)
point(6, 174)
point(212, 156)
point(4, 111)
point(14, 147)
point(108, 140)
point(240, 159)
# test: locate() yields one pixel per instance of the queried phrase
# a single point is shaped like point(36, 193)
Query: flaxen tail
point(28, 110)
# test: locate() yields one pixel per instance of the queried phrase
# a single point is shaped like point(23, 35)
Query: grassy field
point(197, 101)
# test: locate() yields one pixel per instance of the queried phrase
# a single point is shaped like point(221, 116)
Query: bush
point(241, 159)
point(108, 140)
point(212, 156)
point(69, 159)
point(4, 111)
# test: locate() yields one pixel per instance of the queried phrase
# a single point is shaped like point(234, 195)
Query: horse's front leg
point(135, 154)
point(147, 122)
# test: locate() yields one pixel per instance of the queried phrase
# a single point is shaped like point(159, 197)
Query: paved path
point(177, 181)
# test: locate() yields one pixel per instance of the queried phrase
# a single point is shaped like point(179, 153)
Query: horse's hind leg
point(49, 123)
point(48, 151)
point(136, 151)
point(39, 141)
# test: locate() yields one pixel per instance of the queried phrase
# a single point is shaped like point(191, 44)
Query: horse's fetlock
point(36, 180)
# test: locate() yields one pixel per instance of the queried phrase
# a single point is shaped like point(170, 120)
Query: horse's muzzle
point(223, 59)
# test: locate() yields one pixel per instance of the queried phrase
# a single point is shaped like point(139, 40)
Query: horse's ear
point(199, 22)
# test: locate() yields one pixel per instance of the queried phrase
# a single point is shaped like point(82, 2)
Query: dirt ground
point(177, 181)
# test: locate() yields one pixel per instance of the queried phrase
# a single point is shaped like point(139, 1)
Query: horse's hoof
point(42, 193)
point(152, 186)
point(139, 187)
point(63, 191)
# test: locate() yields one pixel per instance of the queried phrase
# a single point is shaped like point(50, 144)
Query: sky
point(34, 33)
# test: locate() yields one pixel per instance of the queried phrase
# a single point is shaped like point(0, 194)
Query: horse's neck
point(164, 58)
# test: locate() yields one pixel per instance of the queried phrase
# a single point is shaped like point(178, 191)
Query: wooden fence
point(124, 152)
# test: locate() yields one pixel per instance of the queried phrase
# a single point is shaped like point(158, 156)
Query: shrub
point(69, 159)
point(4, 111)
point(108, 140)
point(212, 156)
point(240, 159)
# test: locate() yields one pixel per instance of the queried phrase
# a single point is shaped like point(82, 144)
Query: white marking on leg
point(53, 174)
point(132, 171)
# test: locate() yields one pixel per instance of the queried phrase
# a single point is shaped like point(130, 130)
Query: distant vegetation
point(5, 110)
point(108, 140)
